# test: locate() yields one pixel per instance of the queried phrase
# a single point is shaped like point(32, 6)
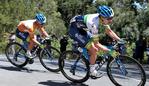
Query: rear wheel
point(126, 71)
point(15, 53)
point(74, 67)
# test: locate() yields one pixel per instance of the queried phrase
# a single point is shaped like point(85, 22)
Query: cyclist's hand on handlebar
point(45, 39)
point(48, 38)
point(121, 41)
point(95, 38)
point(42, 46)
point(113, 53)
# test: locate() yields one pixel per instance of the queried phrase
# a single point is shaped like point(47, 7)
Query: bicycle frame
point(33, 51)
point(24, 47)
point(36, 48)
point(105, 57)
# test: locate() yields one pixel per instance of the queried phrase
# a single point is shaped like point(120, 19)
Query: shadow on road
point(24, 69)
point(61, 83)
point(146, 68)
point(11, 68)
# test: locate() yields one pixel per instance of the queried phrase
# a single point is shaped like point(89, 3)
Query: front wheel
point(126, 71)
point(15, 53)
point(49, 59)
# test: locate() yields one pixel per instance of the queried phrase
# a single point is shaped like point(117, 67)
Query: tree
point(70, 8)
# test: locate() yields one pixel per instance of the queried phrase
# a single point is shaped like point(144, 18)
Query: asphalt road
point(36, 75)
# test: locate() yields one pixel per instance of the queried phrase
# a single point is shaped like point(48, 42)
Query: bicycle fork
point(49, 54)
point(121, 67)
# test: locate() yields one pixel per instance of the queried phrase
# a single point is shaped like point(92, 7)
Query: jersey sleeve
point(21, 27)
point(92, 23)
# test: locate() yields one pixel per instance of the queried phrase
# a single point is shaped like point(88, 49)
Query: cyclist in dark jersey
point(85, 28)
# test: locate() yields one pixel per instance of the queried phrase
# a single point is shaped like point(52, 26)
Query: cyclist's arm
point(43, 32)
point(33, 38)
point(109, 32)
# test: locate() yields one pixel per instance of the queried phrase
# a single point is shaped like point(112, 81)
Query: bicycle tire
point(49, 59)
point(131, 66)
point(68, 59)
point(21, 59)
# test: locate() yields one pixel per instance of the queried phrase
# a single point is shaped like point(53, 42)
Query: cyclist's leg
point(24, 36)
point(30, 46)
point(28, 53)
point(92, 50)
point(101, 47)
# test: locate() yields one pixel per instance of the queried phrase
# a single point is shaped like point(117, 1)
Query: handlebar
point(44, 40)
point(119, 47)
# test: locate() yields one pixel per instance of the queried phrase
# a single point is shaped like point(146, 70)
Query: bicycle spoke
point(74, 67)
point(49, 59)
point(126, 72)
point(16, 54)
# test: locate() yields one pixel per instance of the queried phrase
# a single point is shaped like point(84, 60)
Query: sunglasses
point(43, 24)
point(110, 18)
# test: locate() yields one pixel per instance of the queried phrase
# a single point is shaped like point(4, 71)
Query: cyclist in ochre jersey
point(26, 29)
point(85, 28)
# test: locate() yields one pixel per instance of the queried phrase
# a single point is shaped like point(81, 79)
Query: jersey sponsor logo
point(79, 37)
point(22, 35)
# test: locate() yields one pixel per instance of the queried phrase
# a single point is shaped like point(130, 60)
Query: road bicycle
point(121, 69)
point(48, 56)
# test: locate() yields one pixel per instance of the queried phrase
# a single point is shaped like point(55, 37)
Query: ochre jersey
point(28, 25)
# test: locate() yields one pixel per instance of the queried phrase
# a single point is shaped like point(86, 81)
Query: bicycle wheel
point(49, 59)
point(126, 71)
point(15, 54)
point(74, 67)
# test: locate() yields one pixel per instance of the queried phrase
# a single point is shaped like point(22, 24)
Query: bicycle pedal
point(31, 61)
point(96, 77)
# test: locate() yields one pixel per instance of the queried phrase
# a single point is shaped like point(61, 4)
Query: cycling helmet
point(40, 18)
point(105, 11)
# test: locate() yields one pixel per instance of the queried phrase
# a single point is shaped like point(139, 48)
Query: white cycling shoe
point(29, 55)
point(94, 73)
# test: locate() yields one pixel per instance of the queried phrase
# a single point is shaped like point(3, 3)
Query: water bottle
point(84, 51)
point(80, 49)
